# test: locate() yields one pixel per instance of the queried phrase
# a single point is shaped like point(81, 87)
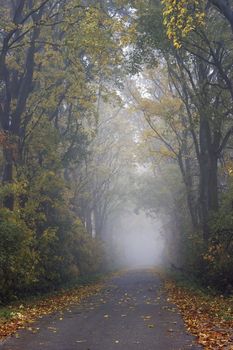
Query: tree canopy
point(109, 106)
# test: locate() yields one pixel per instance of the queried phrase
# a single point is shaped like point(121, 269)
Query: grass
point(191, 283)
point(6, 313)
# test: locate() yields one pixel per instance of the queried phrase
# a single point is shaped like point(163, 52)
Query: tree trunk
point(213, 182)
point(204, 193)
point(8, 201)
point(208, 162)
point(17, 86)
point(185, 168)
point(224, 6)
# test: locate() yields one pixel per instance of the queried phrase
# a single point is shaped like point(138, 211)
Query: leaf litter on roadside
point(23, 315)
point(209, 318)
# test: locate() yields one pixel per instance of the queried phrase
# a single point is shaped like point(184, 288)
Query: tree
point(16, 73)
point(166, 117)
point(183, 17)
point(200, 75)
point(102, 179)
point(42, 77)
point(57, 60)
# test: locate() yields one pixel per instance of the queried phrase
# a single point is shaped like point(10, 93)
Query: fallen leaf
point(151, 326)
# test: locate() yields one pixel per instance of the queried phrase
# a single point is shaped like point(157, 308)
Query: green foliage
point(88, 253)
point(219, 254)
point(17, 256)
point(197, 135)
point(212, 261)
point(50, 118)
point(42, 244)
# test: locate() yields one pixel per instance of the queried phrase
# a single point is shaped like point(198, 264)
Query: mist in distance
point(138, 241)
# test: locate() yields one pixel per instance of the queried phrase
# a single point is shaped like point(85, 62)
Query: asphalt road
point(131, 313)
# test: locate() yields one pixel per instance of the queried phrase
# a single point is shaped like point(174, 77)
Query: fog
point(122, 178)
point(138, 241)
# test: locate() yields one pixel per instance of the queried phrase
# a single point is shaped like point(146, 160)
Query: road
point(130, 313)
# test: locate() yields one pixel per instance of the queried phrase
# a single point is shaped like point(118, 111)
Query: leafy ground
point(18, 316)
point(131, 312)
point(208, 317)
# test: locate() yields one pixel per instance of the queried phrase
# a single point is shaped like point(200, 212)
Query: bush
point(42, 244)
point(17, 257)
point(212, 261)
point(88, 253)
point(219, 254)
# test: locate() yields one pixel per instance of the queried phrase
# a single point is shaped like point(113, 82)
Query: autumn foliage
point(23, 315)
point(181, 18)
point(208, 317)
point(55, 63)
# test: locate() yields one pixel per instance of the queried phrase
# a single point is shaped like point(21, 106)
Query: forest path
point(130, 313)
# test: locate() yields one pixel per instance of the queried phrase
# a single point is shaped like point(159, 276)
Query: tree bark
point(17, 86)
point(208, 162)
point(8, 201)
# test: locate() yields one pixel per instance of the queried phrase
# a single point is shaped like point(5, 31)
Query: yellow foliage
point(181, 17)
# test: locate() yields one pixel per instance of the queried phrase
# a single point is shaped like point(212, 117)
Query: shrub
point(88, 253)
point(17, 257)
